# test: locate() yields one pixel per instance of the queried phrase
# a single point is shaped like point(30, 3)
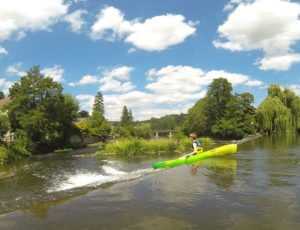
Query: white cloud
point(144, 105)
point(86, 80)
point(3, 51)
point(112, 79)
point(186, 79)
point(280, 62)
point(254, 83)
point(18, 16)
point(172, 89)
point(5, 85)
point(268, 25)
point(85, 101)
point(120, 73)
point(14, 70)
point(295, 88)
point(181, 84)
point(233, 78)
point(117, 86)
point(56, 73)
point(232, 3)
point(154, 34)
point(76, 20)
point(77, 1)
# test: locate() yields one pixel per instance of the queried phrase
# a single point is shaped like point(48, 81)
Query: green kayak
point(220, 151)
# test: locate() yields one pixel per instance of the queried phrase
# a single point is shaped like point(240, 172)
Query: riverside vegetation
point(42, 118)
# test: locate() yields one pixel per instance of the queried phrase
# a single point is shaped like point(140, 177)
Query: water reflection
point(220, 171)
point(256, 188)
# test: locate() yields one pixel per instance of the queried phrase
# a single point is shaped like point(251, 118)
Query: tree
point(126, 117)
point(222, 114)
point(84, 127)
point(218, 95)
point(98, 103)
point(2, 96)
point(274, 90)
point(4, 125)
point(238, 118)
point(83, 114)
point(283, 115)
point(274, 116)
point(98, 126)
point(196, 120)
point(142, 130)
point(69, 113)
point(126, 129)
point(38, 109)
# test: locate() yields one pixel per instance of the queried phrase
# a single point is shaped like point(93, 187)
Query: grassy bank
point(134, 146)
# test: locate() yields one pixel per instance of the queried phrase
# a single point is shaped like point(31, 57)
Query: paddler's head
point(193, 136)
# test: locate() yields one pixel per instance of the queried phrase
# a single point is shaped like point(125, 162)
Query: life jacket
point(198, 143)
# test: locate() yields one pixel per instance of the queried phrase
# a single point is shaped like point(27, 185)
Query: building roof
point(4, 102)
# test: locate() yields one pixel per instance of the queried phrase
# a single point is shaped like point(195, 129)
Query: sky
point(155, 57)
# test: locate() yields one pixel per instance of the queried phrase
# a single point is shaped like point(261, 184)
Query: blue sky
point(156, 57)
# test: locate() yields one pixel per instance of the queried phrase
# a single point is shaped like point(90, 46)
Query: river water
point(256, 188)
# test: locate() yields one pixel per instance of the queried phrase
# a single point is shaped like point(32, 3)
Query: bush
point(135, 146)
point(3, 155)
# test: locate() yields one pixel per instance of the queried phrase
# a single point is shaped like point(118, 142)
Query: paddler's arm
point(195, 149)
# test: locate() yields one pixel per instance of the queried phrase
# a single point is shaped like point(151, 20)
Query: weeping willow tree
point(280, 111)
point(274, 116)
point(291, 101)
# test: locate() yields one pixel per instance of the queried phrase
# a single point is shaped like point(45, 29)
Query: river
point(256, 188)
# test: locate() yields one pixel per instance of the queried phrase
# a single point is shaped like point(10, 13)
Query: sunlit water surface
point(256, 188)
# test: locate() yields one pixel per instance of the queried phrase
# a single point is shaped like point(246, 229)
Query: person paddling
point(196, 145)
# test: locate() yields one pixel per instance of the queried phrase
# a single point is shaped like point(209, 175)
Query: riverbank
point(135, 146)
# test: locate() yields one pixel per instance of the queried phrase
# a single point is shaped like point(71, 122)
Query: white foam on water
point(112, 171)
point(84, 179)
point(80, 180)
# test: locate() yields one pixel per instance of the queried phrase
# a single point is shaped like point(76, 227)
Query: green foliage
point(135, 146)
point(238, 118)
point(98, 103)
point(274, 116)
point(142, 130)
point(68, 115)
point(41, 110)
point(98, 126)
point(168, 122)
point(3, 155)
point(83, 127)
point(197, 121)
point(126, 118)
point(83, 114)
point(221, 114)
point(280, 111)
point(2, 96)
point(4, 124)
point(20, 148)
point(22, 145)
point(218, 95)
point(95, 125)
point(274, 90)
point(126, 129)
